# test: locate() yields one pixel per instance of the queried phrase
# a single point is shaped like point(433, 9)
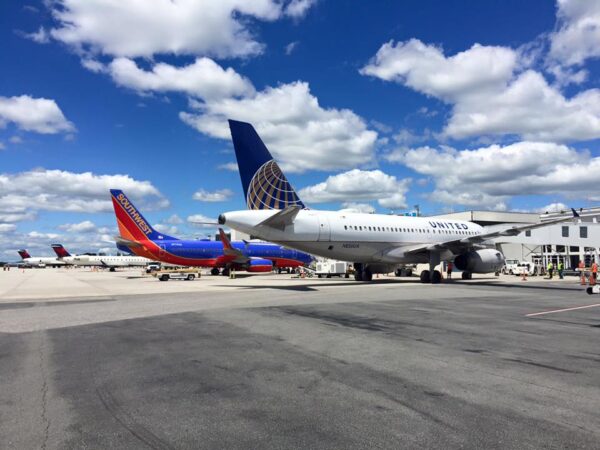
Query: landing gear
point(425, 276)
point(436, 277)
point(367, 274)
point(225, 272)
point(358, 271)
point(112, 269)
point(467, 275)
point(214, 271)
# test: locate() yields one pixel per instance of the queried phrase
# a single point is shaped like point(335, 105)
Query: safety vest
point(594, 268)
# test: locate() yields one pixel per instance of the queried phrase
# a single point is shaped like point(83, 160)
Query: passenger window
point(345, 227)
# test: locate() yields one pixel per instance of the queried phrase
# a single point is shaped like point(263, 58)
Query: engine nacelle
point(259, 265)
point(480, 261)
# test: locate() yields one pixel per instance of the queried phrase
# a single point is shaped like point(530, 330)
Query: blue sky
point(368, 105)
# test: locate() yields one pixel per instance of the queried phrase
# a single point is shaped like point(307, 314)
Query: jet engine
point(480, 261)
point(259, 265)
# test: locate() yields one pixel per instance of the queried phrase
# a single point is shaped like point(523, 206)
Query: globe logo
point(269, 189)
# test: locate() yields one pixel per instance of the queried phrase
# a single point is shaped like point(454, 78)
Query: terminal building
point(568, 242)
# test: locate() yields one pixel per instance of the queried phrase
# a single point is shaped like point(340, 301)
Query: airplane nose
point(221, 219)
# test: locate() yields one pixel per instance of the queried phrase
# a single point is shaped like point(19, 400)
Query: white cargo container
point(331, 268)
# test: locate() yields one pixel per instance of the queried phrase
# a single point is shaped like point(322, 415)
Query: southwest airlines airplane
point(143, 240)
point(375, 243)
point(108, 261)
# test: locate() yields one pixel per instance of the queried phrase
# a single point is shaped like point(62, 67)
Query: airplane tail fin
point(265, 185)
point(60, 251)
point(132, 225)
point(24, 254)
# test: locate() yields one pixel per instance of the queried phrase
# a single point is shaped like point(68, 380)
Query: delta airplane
point(110, 262)
point(39, 261)
point(143, 240)
point(375, 243)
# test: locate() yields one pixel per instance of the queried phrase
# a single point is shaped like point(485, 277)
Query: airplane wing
point(456, 245)
point(282, 218)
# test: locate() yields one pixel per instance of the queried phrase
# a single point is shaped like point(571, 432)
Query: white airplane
point(110, 262)
point(375, 243)
point(39, 261)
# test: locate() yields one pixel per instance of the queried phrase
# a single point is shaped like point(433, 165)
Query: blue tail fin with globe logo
point(265, 185)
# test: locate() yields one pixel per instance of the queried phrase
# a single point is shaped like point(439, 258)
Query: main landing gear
point(467, 275)
point(214, 271)
point(362, 273)
point(433, 277)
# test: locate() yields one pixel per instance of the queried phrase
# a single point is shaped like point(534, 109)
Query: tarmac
point(120, 360)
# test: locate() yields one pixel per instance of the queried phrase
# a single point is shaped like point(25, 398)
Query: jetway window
point(565, 231)
point(574, 249)
point(583, 232)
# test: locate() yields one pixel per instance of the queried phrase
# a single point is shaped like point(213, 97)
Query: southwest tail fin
point(265, 185)
point(24, 254)
point(60, 251)
point(132, 225)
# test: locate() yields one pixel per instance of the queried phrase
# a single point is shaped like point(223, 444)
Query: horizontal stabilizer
point(126, 242)
point(282, 219)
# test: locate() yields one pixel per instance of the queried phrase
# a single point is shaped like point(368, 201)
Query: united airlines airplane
point(143, 240)
point(375, 243)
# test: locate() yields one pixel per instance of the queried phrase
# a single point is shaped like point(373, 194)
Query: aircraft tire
point(467, 275)
point(367, 275)
point(425, 276)
point(214, 271)
point(225, 272)
point(436, 277)
point(358, 276)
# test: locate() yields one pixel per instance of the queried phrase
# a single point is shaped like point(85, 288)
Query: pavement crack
point(44, 392)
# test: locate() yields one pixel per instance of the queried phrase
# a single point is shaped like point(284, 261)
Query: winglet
point(228, 249)
point(226, 242)
point(575, 213)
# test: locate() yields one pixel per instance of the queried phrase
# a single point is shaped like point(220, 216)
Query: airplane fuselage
point(210, 253)
point(354, 237)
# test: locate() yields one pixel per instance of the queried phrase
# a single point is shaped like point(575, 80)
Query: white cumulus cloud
point(491, 176)
point(24, 193)
point(220, 195)
point(133, 28)
point(300, 133)
point(204, 78)
point(82, 227)
point(359, 185)
point(490, 92)
point(40, 115)
point(578, 35)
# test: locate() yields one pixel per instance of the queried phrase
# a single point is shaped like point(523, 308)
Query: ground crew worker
point(594, 273)
point(449, 270)
point(550, 270)
point(561, 268)
point(581, 267)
